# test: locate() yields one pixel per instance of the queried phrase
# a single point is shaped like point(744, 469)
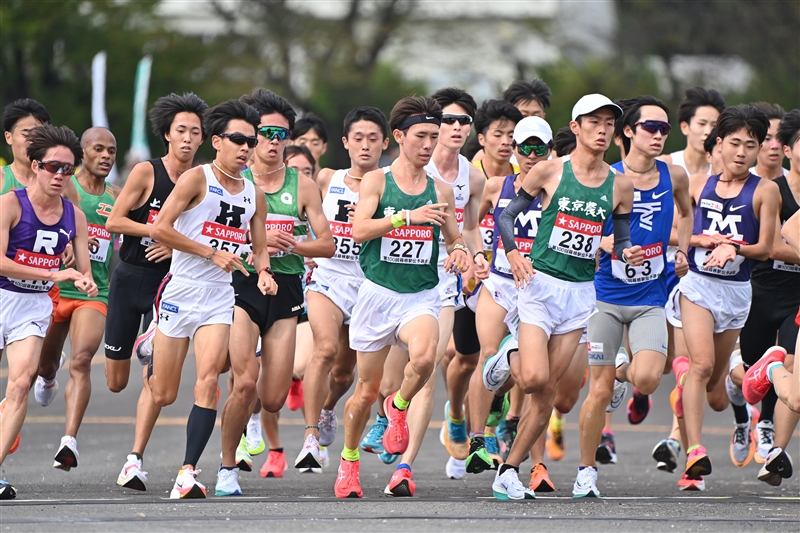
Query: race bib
point(224, 238)
point(412, 245)
point(459, 221)
point(501, 263)
point(40, 261)
point(99, 254)
point(287, 226)
point(786, 267)
point(487, 231)
point(652, 267)
point(346, 247)
point(575, 236)
point(151, 219)
point(731, 268)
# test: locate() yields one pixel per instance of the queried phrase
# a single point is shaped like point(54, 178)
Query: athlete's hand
point(266, 284)
point(94, 244)
point(310, 263)
point(228, 262)
point(250, 260)
point(279, 240)
point(720, 256)
point(681, 264)
point(634, 255)
point(607, 244)
point(68, 257)
point(351, 209)
point(87, 286)
point(521, 268)
point(68, 274)
point(712, 241)
point(158, 252)
point(458, 262)
point(481, 267)
point(429, 214)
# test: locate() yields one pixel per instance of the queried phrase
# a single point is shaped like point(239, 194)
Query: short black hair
point(372, 114)
point(164, 110)
point(42, 138)
point(699, 97)
point(711, 141)
point(267, 102)
point(218, 117)
point(525, 91)
point(632, 112)
point(789, 129)
point(565, 141)
point(492, 110)
point(745, 116)
point(309, 122)
point(413, 105)
point(24, 107)
point(293, 150)
point(773, 111)
point(454, 95)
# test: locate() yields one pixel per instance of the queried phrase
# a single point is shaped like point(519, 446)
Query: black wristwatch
point(736, 245)
point(268, 270)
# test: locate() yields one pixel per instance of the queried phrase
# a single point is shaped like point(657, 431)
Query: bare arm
point(781, 251)
point(472, 218)
point(322, 245)
point(130, 197)
point(791, 232)
point(258, 233)
point(365, 228)
point(324, 180)
point(767, 198)
point(189, 189)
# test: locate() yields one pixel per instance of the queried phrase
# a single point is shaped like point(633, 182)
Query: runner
point(398, 220)
point(633, 296)
point(769, 163)
point(335, 282)
point(579, 193)
point(77, 314)
point(532, 98)
point(19, 118)
point(35, 226)
point(715, 296)
point(310, 131)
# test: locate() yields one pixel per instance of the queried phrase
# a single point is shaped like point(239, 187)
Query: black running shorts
point(266, 310)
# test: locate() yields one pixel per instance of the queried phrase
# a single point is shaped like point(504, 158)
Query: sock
point(608, 432)
point(137, 455)
point(399, 402)
point(691, 449)
point(278, 450)
point(556, 423)
point(256, 417)
point(582, 467)
point(476, 434)
point(379, 417)
point(740, 413)
point(770, 368)
point(768, 405)
point(403, 465)
point(198, 431)
point(506, 466)
point(226, 467)
point(455, 420)
point(350, 455)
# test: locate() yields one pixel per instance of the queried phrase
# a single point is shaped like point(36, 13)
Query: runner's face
point(649, 144)
point(53, 184)
point(230, 155)
point(301, 165)
point(530, 108)
point(527, 162)
point(270, 151)
point(771, 154)
point(16, 138)
point(793, 153)
point(313, 142)
point(497, 141)
point(454, 136)
point(418, 142)
point(739, 152)
point(365, 142)
point(596, 130)
point(698, 128)
point(185, 136)
point(100, 154)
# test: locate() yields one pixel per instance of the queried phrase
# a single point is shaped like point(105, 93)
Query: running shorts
point(448, 288)
point(66, 306)
point(23, 315)
point(769, 313)
point(502, 289)
point(727, 301)
point(184, 307)
point(341, 290)
point(265, 310)
point(556, 306)
point(647, 330)
point(465, 334)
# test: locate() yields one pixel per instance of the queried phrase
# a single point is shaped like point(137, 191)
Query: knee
point(466, 365)
point(244, 386)
point(701, 370)
point(793, 402)
point(648, 384)
point(325, 351)
point(17, 389)
point(366, 394)
point(342, 376)
point(423, 362)
point(565, 401)
point(598, 394)
point(718, 402)
point(531, 383)
point(163, 398)
point(80, 365)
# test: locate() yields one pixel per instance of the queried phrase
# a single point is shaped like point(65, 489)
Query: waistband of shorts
point(389, 292)
point(5, 293)
point(573, 285)
point(200, 284)
point(714, 279)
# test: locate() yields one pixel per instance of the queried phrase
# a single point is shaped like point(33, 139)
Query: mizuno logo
point(732, 209)
point(657, 196)
point(459, 187)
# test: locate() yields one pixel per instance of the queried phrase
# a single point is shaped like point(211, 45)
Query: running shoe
point(15, 446)
point(680, 366)
point(294, 400)
point(540, 479)
point(228, 483)
point(666, 453)
point(742, 443)
point(499, 410)
point(143, 347)
point(497, 368)
point(493, 449)
point(67, 455)
point(323, 455)
point(7, 490)
point(777, 467)
point(555, 445)
point(395, 438)
point(620, 387)
point(455, 468)
point(441, 432)
point(186, 485)
point(45, 391)
point(456, 439)
point(388, 458)
point(698, 463)
point(309, 455)
point(373, 440)
point(327, 427)
point(401, 484)
point(606, 453)
point(586, 483)
point(132, 476)
point(243, 459)
point(507, 486)
point(275, 465)
point(347, 483)
point(478, 459)
point(508, 435)
point(765, 440)
point(734, 393)
point(255, 440)
point(692, 483)
point(638, 407)
point(756, 381)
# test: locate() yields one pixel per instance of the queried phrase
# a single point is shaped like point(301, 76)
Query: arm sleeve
point(622, 233)
point(522, 200)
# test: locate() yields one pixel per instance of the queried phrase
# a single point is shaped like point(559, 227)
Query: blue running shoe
point(493, 447)
point(373, 441)
point(388, 458)
point(456, 439)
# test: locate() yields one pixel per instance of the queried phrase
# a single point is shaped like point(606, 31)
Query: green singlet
point(10, 182)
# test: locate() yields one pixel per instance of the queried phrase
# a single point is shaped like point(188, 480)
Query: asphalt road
point(636, 496)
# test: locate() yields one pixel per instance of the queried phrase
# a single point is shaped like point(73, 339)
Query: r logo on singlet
point(342, 213)
point(46, 242)
point(230, 215)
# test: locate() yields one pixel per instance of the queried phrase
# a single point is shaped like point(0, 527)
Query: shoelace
point(765, 435)
point(739, 436)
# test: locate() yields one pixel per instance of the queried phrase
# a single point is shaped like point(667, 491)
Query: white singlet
point(345, 258)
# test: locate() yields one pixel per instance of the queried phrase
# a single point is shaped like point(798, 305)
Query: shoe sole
point(8, 493)
point(701, 467)
point(195, 493)
point(770, 478)
point(503, 495)
point(590, 494)
point(236, 493)
point(632, 419)
point(477, 465)
point(665, 458)
point(780, 466)
point(370, 449)
point(604, 456)
point(133, 483)
point(543, 486)
point(65, 460)
point(307, 462)
point(244, 466)
point(696, 486)
point(401, 490)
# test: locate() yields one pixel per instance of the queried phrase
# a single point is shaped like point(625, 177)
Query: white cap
point(533, 127)
point(593, 102)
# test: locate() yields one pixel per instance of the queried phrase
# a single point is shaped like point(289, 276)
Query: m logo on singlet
point(646, 211)
point(343, 212)
point(528, 220)
point(723, 225)
point(230, 215)
point(46, 242)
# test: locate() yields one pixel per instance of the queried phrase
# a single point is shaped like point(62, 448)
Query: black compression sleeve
point(522, 200)
point(622, 233)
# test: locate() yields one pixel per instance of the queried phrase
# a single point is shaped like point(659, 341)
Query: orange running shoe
point(698, 463)
point(348, 484)
point(688, 483)
point(540, 479)
point(275, 465)
point(294, 400)
point(555, 445)
point(401, 484)
point(395, 438)
point(14, 446)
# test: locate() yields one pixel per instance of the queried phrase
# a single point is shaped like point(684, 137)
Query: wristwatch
point(736, 245)
point(268, 270)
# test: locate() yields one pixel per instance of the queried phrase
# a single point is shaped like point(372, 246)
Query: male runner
point(35, 226)
point(634, 296)
point(579, 193)
point(335, 282)
point(19, 118)
point(77, 314)
point(310, 131)
point(715, 296)
point(769, 163)
point(398, 219)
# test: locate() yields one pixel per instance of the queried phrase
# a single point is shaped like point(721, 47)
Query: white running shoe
point(132, 476)
point(143, 347)
point(508, 487)
point(735, 394)
point(323, 454)
point(586, 483)
point(67, 455)
point(741, 446)
point(497, 369)
point(765, 439)
point(255, 440)
point(309, 455)
point(228, 483)
point(187, 486)
point(45, 391)
point(455, 468)
point(327, 427)
point(777, 467)
point(620, 387)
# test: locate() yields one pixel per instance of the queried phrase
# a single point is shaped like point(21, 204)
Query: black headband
point(418, 119)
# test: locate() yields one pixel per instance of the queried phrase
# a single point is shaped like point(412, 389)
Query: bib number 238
point(575, 236)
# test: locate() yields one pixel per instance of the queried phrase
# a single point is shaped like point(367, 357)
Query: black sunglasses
point(240, 138)
point(653, 126)
point(461, 119)
point(57, 167)
point(539, 149)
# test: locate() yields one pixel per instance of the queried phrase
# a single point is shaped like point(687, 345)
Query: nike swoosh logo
point(732, 209)
point(657, 196)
